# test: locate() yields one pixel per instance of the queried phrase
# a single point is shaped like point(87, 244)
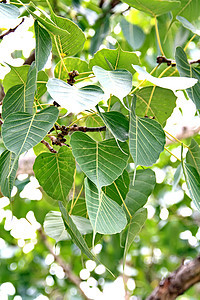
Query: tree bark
point(178, 282)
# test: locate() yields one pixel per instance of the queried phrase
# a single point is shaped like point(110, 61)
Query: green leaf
point(147, 140)
point(116, 82)
point(55, 172)
point(154, 7)
point(72, 98)
point(68, 64)
point(7, 179)
point(41, 86)
point(187, 70)
point(21, 131)
point(95, 121)
point(177, 176)
point(43, 46)
point(55, 227)
point(172, 83)
point(192, 179)
point(193, 155)
point(102, 27)
point(8, 11)
point(119, 187)
point(188, 9)
point(106, 216)
point(188, 25)
point(79, 207)
point(102, 162)
point(138, 193)
point(133, 34)
point(161, 105)
point(117, 123)
point(75, 233)
point(21, 97)
point(16, 76)
point(118, 58)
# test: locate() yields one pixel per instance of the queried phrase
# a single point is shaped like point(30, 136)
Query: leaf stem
point(84, 73)
point(60, 54)
point(186, 46)
point(176, 139)
point(109, 102)
point(158, 37)
point(172, 154)
point(84, 78)
point(122, 200)
point(73, 193)
point(72, 206)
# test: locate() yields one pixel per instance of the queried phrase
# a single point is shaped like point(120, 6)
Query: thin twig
point(11, 30)
point(48, 146)
point(170, 62)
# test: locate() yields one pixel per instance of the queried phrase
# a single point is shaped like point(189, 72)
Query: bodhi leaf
point(193, 155)
point(154, 7)
point(146, 140)
point(55, 228)
point(187, 9)
point(116, 82)
point(21, 131)
point(118, 58)
point(17, 75)
point(7, 179)
point(106, 216)
point(41, 85)
point(161, 105)
point(117, 123)
point(188, 25)
point(119, 188)
point(55, 172)
point(8, 11)
point(192, 179)
point(43, 46)
point(102, 162)
point(172, 83)
point(72, 98)
point(69, 64)
point(133, 34)
point(187, 70)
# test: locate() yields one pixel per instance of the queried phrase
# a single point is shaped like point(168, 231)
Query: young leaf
point(117, 123)
point(187, 70)
point(146, 140)
point(8, 11)
point(7, 179)
point(43, 46)
point(116, 82)
point(133, 34)
point(171, 83)
point(193, 155)
point(55, 227)
point(55, 172)
point(192, 179)
point(102, 162)
point(106, 216)
point(21, 131)
point(72, 98)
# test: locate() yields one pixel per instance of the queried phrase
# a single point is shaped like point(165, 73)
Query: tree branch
point(170, 62)
point(48, 146)
point(11, 30)
point(66, 267)
point(178, 282)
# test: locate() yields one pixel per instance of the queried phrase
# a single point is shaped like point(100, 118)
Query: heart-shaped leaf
point(188, 25)
point(7, 179)
point(55, 228)
point(171, 83)
point(17, 75)
point(187, 70)
point(146, 140)
point(43, 46)
point(102, 162)
point(55, 172)
point(72, 98)
point(133, 34)
point(21, 131)
point(116, 82)
point(117, 123)
point(8, 11)
point(106, 216)
point(193, 155)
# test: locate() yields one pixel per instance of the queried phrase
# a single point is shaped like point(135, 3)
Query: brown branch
point(66, 267)
point(11, 30)
point(65, 130)
point(178, 282)
point(170, 62)
point(30, 59)
point(48, 146)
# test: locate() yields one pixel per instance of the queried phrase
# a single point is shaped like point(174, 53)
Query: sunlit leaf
point(192, 179)
point(188, 9)
point(16, 76)
point(188, 25)
point(193, 155)
point(8, 11)
point(133, 34)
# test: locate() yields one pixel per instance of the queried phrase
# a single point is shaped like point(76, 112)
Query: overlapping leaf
point(21, 131)
point(55, 228)
point(72, 98)
point(16, 76)
point(188, 25)
point(7, 162)
point(8, 11)
point(116, 82)
point(55, 172)
point(193, 155)
point(133, 34)
point(118, 58)
point(106, 216)
point(172, 83)
point(154, 7)
point(192, 179)
point(188, 9)
point(187, 70)
point(43, 46)
point(146, 140)
point(102, 162)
